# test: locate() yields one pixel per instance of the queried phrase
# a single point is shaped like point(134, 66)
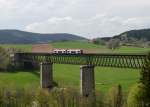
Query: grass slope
point(105, 77)
point(24, 47)
point(18, 79)
point(99, 48)
point(69, 75)
point(125, 49)
point(81, 45)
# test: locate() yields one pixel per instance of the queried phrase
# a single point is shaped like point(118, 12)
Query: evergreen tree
point(145, 80)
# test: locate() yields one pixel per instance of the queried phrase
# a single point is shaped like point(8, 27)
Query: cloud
point(56, 24)
point(98, 26)
point(88, 18)
point(59, 20)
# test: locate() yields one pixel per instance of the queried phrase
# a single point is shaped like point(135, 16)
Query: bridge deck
point(107, 59)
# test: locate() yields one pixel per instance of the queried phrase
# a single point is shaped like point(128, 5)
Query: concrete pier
point(87, 80)
point(46, 75)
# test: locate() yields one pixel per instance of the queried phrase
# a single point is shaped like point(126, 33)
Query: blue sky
point(88, 18)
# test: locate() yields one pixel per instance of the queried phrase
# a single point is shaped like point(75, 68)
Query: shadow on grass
point(32, 71)
point(36, 73)
point(3, 71)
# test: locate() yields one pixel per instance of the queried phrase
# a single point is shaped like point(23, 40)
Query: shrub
point(115, 97)
point(27, 97)
point(136, 96)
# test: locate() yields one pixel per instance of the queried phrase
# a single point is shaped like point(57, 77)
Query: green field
point(24, 47)
point(69, 75)
point(99, 48)
point(82, 45)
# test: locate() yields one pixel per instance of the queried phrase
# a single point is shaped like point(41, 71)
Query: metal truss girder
point(107, 60)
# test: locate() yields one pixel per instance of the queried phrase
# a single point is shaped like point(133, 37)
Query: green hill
point(22, 37)
point(132, 35)
point(143, 34)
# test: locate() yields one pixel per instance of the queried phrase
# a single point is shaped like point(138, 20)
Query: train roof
point(66, 49)
point(59, 49)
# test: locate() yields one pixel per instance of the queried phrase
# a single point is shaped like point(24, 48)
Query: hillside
point(86, 46)
point(22, 37)
point(137, 35)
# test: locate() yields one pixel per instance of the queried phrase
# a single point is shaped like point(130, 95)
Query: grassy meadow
point(24, 47)
point(81, 45)
point(98, 48)
point(69, 75)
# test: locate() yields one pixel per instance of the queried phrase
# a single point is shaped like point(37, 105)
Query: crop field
point(69, 75)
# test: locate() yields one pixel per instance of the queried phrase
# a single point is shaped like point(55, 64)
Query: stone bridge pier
point(46, 75)
point(87, 80)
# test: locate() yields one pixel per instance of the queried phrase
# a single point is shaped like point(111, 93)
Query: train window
point(73, 52)
point(60, 52)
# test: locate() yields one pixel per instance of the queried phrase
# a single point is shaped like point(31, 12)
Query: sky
point(87, 18)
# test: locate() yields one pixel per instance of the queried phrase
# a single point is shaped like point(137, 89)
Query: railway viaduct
point(87, 62)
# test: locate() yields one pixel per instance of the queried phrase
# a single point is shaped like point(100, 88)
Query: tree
point(145, 80)
point(98, 41)
point(4, 59)
point(113, 44)
point(139, 95)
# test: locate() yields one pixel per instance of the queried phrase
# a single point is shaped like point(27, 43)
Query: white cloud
point(59, 20)
point(89, 18)
point(100, 25)
point(56, 24)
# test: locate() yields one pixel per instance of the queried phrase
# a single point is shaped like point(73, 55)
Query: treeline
point(138, 38)
point(137, 34)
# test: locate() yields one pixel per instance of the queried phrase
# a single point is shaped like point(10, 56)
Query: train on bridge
point(67, 51)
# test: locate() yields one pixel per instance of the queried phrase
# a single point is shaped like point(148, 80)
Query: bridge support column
point(46, 75)
point(87, 80)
